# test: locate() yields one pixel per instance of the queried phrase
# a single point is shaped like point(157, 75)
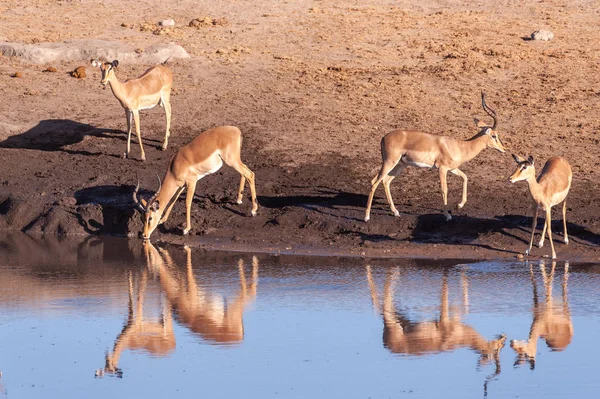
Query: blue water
point(286, 326)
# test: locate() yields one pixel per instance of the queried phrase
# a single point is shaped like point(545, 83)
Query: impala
point(141, 333)
point(403, 148)
point(213, 317)
point(447, 333)
point(549, 189)
point(144, 92)
point(202, 156)
point(550, 322)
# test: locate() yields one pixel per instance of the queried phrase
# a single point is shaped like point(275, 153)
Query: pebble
point(543, 35)
point(167, 22)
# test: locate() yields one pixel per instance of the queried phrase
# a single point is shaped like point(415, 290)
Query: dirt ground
point(313, 85)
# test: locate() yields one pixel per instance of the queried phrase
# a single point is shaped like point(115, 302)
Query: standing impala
point(403, 148)
point(549, 189)
point(153, 87)
point(202, 156)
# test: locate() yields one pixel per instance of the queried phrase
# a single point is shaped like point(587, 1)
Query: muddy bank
point(313, 87)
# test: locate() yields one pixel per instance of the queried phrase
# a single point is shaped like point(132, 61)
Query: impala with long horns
point(403, 148)
point(549, 189)
point(202, 156)
point(151, 88)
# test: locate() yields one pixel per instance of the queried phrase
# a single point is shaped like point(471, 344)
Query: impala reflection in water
point(75, 310)
point(203, 313)
point(550, 322)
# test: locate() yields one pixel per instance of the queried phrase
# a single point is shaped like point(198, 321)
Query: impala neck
point(472, 147)
point(534, 188)
point(117, 88)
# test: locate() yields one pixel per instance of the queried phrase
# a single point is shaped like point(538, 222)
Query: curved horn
point(151, 200)
point(136, 201)
point(488, 110)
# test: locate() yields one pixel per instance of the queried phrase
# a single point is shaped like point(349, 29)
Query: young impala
point(403, 148)
point(202, 156)
point(549, 189)
point(153, 87)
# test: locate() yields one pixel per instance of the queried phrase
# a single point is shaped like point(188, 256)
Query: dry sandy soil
point(313, 85)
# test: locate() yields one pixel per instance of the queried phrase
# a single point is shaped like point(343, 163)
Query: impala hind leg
point(458, 172)
point(166, 102)
point(387, 180)
point(444, 185)
point(386, 168)
point(543, 237)
point(533, 226)
point(246, 174)
point(548, 224)
point(136, 119)
point(564, 211)
point(189, 196)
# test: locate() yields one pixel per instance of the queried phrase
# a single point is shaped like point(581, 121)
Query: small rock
point(167, 22)
point(543, 35)
point(67, 201)
point(49, 69)
point(139, 50)
point(126, 25)
point(16, 75)
point(79, 72)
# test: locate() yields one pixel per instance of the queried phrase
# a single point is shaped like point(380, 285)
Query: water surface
point(111, 317)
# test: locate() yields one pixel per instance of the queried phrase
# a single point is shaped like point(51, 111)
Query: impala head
point(490, 131)
point(149, 209)
point(107, 69)
point(525, 169)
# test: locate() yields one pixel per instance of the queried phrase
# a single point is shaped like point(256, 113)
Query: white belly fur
point(213, 170)
point(559, 197)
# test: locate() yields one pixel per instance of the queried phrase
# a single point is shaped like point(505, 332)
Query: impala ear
point(154, 206)
point(517, 158)
point(487, 131)
point(95, 63)
point(530, 160)
point(479, 123)
point(115, 63)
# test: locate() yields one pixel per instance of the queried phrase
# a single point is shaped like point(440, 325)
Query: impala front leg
point(386, 186)
point(533, 226)
point(129, 116)
point(173, 201)
point(458, 172)
point(189, 196)
point(136, 119)
point(444, 184)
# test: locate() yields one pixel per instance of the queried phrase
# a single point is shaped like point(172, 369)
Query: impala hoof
point(541, 244)
point(239, 202)
point(461, 205)
point(448, 217)
point(566, 241)
point(124, 156)
point(396, 213)
point(527, 252)
point(186, 232)
point(143, 158)
point(554, 256)
point(367, 219)
point(253, 213)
